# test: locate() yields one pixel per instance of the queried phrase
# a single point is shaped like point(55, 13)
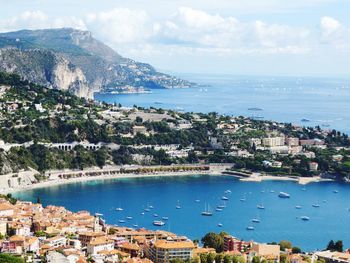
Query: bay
point(280, 220)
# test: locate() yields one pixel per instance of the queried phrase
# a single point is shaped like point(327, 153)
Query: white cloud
point(120, 25)
point(334, 33)
point(195, 28)
point(38, 20)
point(135, 33)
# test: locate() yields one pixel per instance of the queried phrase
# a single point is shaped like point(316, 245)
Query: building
point(56, 241)
point(99, 244)
point(234, 244)
point(291, 141)
point(313, 166)
point(269, 252)
point(6, 210)
point(139, 129)
point(86, 237)
point(333, 257)
point(162, 251)
point(130, 248)
point(3, 228)
point(273, 141)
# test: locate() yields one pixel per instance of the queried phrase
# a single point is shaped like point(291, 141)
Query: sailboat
point(207, 211)
point(178, 206)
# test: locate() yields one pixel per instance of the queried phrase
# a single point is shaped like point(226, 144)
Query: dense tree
point(296, 250)
point(214, 240)
point(7, 258)
point(285, 244)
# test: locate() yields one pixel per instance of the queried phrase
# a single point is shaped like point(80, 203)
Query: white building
point(99, 244)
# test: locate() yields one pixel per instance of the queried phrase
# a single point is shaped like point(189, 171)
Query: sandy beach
point(214, 171)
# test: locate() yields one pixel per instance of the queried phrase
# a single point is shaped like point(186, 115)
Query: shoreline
point(213, 171)
point(82, 179)
point(256, 177)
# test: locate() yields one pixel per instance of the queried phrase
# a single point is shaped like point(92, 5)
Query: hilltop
point(71, 59)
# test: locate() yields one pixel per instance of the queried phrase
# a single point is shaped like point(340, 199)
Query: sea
point(303, 101)
point(298, 100)
point(279, 220)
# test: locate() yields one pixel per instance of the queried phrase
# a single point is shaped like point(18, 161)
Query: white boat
point(222, 206)
point(135, 225)
point(218, 209)
point(272, 191)
point(298, 207)
point(178, 206)
point(260, 206)
point(228, 192)
point(225, 198)
point(207, 211)
point(165, 218)
point(305, 218)
point(250, 228)
point(121, 221)
point(242, 199)
point(155, 215)
point(284, 195)
point(335, 191)
point(142, 213)
point(219, 225)
point(129, 217)
point(197, 200)
point(256, 220)
point(158, 223)
point(150, 207)
point(146, 210)
point(316, 205)
point(119, 209)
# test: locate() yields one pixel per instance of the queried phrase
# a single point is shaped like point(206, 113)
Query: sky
point(242, 37)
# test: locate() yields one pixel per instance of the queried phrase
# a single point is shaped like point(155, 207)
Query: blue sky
point(257, 37)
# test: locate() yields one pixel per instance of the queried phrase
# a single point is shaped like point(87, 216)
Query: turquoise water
point(280, 219)
point(323, 101)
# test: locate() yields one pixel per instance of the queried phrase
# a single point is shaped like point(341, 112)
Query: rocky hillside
point(73, 60)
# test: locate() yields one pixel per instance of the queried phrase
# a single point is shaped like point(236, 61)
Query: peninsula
point(47, 132)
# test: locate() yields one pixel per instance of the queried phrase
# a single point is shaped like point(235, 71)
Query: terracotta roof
point(129, 246)
point(92, 234)
point(113, 252)
point(6, 206)
point(100, 241)
point(173, 245)
point(17, 238)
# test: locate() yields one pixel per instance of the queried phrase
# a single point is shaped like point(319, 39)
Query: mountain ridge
point(72, 59)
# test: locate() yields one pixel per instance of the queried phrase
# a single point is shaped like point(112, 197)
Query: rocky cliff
point(73, 60)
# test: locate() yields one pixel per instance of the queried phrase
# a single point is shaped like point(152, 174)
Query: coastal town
point(30, 232)
point(50, 136)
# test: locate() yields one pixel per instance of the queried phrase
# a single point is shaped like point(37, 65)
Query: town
point(48, 134)
point(30, 232)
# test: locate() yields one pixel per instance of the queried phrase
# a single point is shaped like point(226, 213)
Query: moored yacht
point(284, 195)
point(206, 211)
point(158, 223)
point(260, 206)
